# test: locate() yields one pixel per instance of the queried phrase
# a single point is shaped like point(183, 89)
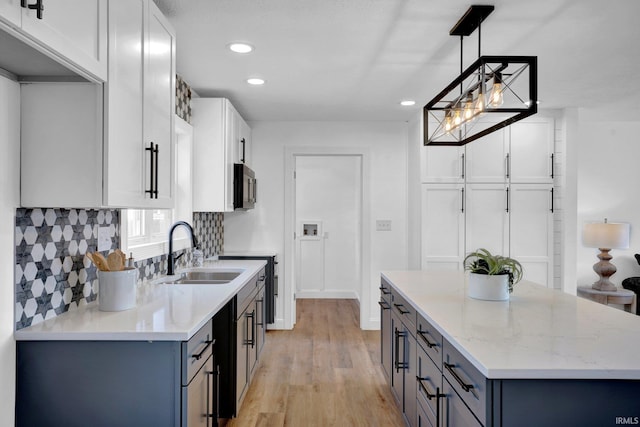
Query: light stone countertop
point(164, 312)
point(538, 333)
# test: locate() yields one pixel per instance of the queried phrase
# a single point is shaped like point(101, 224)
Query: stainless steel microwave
point(244, 187)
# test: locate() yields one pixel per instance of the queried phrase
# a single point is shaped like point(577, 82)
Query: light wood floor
point(325, 372)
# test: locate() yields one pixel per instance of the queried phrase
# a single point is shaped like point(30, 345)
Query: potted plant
point(491, 277)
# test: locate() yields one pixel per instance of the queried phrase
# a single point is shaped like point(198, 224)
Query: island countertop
point(539, 333)
point(164, 312)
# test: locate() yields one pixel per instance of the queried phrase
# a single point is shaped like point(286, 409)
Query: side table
point(624, 297)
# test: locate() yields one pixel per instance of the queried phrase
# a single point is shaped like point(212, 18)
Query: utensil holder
point(117, 289)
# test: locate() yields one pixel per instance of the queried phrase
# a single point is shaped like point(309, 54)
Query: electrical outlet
point(383, 225)
point(104, 239)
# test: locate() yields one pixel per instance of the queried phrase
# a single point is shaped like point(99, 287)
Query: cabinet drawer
point(405, 310)
point(430, 340)
point(456, 413)
point(246, 294)
point(465, 379)
point(429, 381)
point(424, 417)
point(196, 351)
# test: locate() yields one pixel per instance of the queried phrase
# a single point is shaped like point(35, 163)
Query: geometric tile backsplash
point(52, 273)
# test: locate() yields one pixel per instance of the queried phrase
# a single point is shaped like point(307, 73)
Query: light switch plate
point(104, 239)
point(383, 225)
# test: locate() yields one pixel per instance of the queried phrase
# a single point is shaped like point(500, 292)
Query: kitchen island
point(542, 358)
point(156, 364)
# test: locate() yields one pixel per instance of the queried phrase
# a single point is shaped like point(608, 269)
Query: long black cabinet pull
point(243, 142)
point(507, 199)
point(399, 365)
point(208, 344)
point(507, 166)
point(384, 290)
point(157, 168)
point(552, 166)
point(38, 6)
point(400, 309)
point(429, 344)
point(382, 304)
point(423, 386)
point(208, 415)
point(153, 166)
point(552, 200)
point(463, 166)
point(462, 200)
point(252, 341)
point(449, 367)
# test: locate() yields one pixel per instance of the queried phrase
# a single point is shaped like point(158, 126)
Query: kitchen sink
point(202, 277)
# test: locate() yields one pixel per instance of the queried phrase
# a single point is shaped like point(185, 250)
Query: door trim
point(365, 287)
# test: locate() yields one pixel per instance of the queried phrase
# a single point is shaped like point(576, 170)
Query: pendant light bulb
point(448, 121)
point(469, 109)
point(480, 103)
point(496, 97)
point(457, 117)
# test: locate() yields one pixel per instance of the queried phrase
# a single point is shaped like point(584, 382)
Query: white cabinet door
point(159, 104)
point(443, 207)
point(487, 218)
point(244, 147)
point(10, 12)
point(442, 164)
point(487, 158)
point(124, 156)
point(531, 235)
point(74, 29)
point(531, 148)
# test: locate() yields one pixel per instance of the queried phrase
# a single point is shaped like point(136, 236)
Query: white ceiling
point(357, 59)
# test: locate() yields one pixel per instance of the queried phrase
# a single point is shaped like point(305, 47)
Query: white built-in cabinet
point(218, 131)
point(494, 193)
point(73, 32)
point(89, 145)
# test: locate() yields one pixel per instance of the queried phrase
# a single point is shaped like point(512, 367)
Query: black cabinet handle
point(399, 365)
point(552, 166)
point(38, 6)
point(424, 338)
point(463, 166)
point(208, 414)
point(208, 344)
point(154, 151)
point(462, 200)
point(384, 290)
point(382, 304)
point(507, 166)
point(507, 199)
point(465, 387)
point(423, 386)
point(251, 316)
point(551, 200)
point(400, 309)
point(243, 142)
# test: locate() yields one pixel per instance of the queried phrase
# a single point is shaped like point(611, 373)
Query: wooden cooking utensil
point(100, 261)
point(114, 261)
point(123, 256)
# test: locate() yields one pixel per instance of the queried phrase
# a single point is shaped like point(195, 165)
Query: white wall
point(608, 177)
point(263, 228)
point(9, 200)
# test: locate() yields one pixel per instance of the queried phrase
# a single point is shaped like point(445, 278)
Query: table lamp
point(605, 236)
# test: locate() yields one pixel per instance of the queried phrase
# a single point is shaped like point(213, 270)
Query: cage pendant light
point(492, 93)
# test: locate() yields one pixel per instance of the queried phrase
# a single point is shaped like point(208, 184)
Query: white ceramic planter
point(117, 289)
point(486, 287)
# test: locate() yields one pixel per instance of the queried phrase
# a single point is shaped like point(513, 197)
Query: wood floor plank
point(324, 372)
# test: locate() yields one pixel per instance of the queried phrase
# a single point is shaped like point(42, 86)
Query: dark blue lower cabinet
point(98, 383)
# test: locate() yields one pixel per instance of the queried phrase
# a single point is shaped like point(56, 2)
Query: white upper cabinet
point(442, 164)
point(89, 145)
point(140, 99)
point(73, 32)
point(487, 158)
point(531, 151)
point(217, 130)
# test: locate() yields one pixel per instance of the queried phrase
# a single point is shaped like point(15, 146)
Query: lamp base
point(604, 269)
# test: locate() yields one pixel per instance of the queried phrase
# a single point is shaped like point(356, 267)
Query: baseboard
point(327, 294)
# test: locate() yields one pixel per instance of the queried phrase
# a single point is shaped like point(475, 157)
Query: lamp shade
point(606, 235)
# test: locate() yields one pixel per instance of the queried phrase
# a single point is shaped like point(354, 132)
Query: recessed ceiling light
point(407, 103)
point(240, 47)
point(256, 81)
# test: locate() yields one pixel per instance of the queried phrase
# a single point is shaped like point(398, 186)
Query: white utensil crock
point(117, 289)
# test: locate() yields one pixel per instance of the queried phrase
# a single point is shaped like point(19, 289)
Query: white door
point(531, 234)
point(487, 218)
point(531, 148)
point(443, 226)
point(328, 217)
point(76, 29)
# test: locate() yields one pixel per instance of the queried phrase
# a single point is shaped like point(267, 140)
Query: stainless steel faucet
point(170, 259)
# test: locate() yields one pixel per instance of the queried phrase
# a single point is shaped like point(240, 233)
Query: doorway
point(328, 226)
